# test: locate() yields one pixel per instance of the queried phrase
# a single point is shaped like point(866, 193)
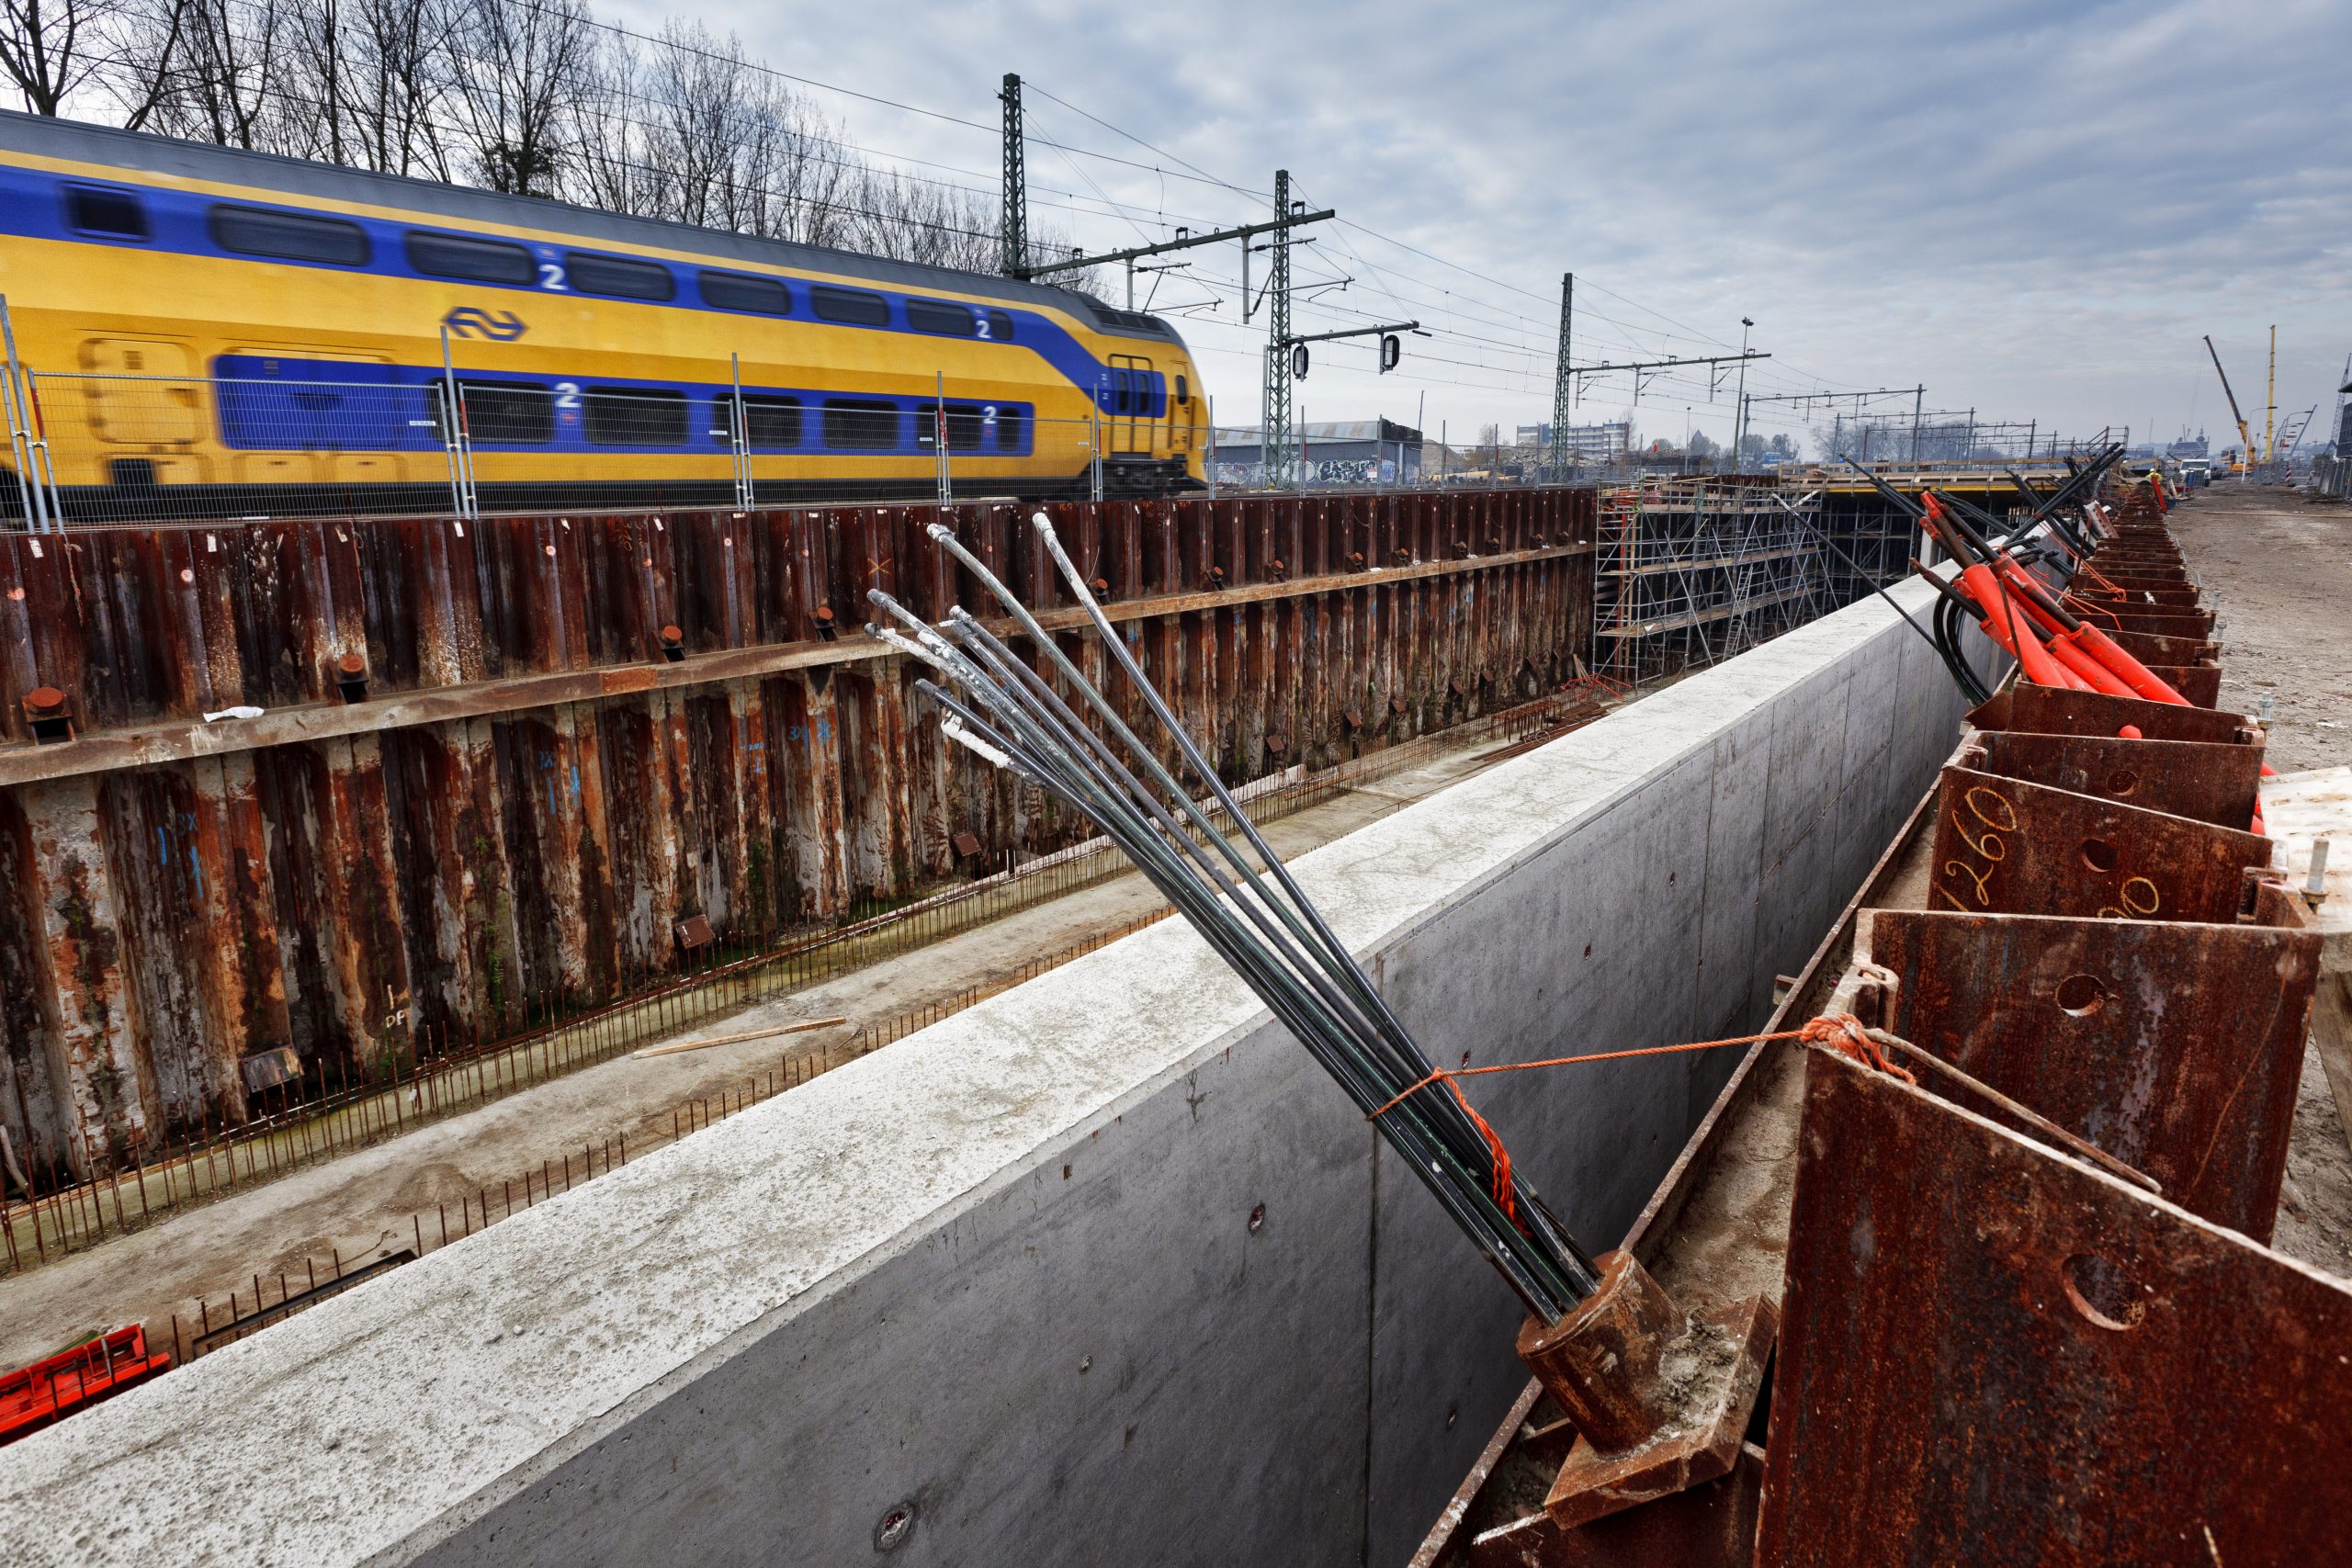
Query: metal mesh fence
point(144, 448)
point(284, 439)
point(292, 437)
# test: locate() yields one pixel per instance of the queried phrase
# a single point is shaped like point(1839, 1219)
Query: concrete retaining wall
point(1002, 1274)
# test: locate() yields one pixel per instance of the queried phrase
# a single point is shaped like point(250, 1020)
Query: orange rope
point(2082, 608)
point(2092, 572)
point(1851, 1038)
point(1842, 1032)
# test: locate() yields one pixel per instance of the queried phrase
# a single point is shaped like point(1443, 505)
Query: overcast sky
point(2035, 209)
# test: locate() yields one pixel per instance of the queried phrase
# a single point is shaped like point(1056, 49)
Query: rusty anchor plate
point(2175, 1047)
point(2184, 778)
point(2046, 710)
point(1997, 1356)
point(2007, 847)
point(2200, 684)
point(1711, 1525)
point(1713, 1375)
point(2150, 648)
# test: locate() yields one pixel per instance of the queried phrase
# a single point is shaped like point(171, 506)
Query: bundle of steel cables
point(1048, 725)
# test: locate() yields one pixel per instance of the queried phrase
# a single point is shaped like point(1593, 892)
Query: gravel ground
point(2277, 567)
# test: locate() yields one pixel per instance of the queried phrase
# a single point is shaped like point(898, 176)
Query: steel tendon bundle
point(1057, 731)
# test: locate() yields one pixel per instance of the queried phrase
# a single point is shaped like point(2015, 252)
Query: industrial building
point(1580, 443)
point(1334, 455)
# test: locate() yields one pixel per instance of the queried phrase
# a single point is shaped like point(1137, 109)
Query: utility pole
point(1919, 402)
point(1015, 260)
point(1563, 383)
point(1274, 431)
point(1739, 422)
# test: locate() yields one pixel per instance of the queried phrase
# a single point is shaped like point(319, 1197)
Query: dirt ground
point(2276, 568)
point(362, 1205)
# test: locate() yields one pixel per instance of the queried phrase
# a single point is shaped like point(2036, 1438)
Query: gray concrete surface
point(1002, 1273)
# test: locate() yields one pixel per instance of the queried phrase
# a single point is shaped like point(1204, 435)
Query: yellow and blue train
point(214, 330)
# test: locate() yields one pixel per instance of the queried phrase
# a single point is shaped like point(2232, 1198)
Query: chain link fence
point(267, 439)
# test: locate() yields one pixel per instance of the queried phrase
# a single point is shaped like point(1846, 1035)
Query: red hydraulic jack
point(2017, 612)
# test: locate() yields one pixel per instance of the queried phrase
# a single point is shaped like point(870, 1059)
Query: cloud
point(2035, 209)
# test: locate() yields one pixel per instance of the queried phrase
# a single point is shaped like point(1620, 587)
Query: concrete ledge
point(1003, 1272)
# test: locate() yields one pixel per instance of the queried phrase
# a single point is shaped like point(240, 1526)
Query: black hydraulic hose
point(1951, 607)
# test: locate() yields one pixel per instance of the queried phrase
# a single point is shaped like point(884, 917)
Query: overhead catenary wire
point(1487, 315)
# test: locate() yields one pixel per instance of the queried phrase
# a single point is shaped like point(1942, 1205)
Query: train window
point(965, 426)
point(850, 306)
point(296, 236)
point(456, 255)
point(508, 413)
point(741, 292)
point(619, 277)
point(1121, 398)
point(635, 416)
point(947, 320)
point(117, 214)
point(1012, 429)
point(1183, 391)
point(852, 427)
point(999, 326)
point(773, 422)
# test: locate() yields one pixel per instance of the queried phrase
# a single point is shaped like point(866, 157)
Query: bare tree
point(393, 86)
point(608, 169)
point(521, 71)
point(700, 104)
point(54, 50)
point(524, 96)
point(720, 142)
point(224, 84)
point(887, 213)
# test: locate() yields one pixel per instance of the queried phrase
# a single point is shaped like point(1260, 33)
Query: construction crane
point(2270, 416)
point(2246, 436)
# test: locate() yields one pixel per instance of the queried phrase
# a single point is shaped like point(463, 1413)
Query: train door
point(1180, 415)
point(1134, 406)
point(301, 414)
point(140, 407)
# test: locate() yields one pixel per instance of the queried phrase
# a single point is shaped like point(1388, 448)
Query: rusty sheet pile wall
point(503, 767)
point(2018, 1244)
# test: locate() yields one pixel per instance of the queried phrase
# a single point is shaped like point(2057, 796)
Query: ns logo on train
point(472, 321)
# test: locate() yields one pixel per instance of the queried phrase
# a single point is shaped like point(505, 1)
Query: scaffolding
point(1874, 541)
point(1693, 570)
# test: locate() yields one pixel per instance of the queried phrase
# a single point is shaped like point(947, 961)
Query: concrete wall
point(1003, 1272)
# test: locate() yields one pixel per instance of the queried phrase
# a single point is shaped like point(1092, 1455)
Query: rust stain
point(533, 789)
